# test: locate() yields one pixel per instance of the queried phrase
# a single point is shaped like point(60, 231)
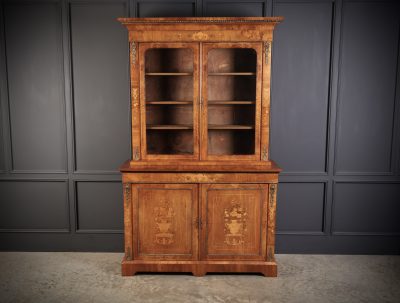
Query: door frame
point(206, 47)
point(143, 47)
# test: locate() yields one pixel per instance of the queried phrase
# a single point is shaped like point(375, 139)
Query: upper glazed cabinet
point(200, 101)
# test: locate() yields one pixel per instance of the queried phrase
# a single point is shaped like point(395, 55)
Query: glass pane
point(169, 101)
point(231, 97)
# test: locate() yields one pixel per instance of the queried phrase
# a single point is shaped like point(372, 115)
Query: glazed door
point(169, 87)
point(231, 99)
point(234, 218)
point(165, 225)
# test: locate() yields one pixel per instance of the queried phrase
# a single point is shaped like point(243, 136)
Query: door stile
point(260, 69)
point(134, 222)
point(203, 102)
point(199, 222)
point(271, 226)
point(203, 219)
point(196, 100)
point(196, 230)
point(264, 218)
point(205, 47)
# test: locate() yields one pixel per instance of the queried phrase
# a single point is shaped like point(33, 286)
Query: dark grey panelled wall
point(64, 123)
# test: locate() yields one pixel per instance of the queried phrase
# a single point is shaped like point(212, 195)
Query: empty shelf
point(230, 102)
point(227, 127)
point(231, 74)
point(169, 127)
point(169, 102)
point(169, 74)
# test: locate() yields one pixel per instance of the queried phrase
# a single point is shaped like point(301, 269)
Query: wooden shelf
point(169, 127)
point(168, 74)
point(231, 74)
point(169, 102)
point(230, 102)
point(228, 127)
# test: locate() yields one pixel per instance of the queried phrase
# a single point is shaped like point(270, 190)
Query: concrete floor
point(95, 277)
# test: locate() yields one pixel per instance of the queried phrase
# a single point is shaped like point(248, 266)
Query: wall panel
point(2, 144)
point(166, 8)
point(35, 85)
point(300, 86)
point(38, 205)
point(99, 206)
point(100, 85)
point(233, 8)
point(366, 208)
point(300, 207)
point(368, 68)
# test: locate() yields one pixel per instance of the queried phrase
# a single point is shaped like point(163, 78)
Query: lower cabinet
point(198, 228)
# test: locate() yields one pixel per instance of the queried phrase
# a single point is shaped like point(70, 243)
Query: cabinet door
point(234, 221)
point(231, 99)
point(169, 86)
point(165, 221)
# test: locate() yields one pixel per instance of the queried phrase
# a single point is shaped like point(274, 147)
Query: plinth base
point(199, 268)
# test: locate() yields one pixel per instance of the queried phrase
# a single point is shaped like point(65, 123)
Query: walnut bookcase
point(200, 189)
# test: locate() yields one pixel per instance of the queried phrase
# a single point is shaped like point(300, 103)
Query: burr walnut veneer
point(200, 189)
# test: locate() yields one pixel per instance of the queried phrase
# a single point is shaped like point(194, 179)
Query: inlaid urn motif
point(164, 218)
point(235, 218)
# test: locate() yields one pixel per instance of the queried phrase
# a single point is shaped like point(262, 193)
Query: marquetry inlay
point(272, 190)
point(199, 36)
point(267, 50)
point(164, 217)
point(264, 155)
point(134, 51)
point(135, 100)
point(136, 155)
point(127, 193)
point(235, 217)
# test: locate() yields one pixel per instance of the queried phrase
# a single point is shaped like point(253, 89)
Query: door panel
point(234, 221)
point(164, 221)
point(169, 100)
point(231, 98)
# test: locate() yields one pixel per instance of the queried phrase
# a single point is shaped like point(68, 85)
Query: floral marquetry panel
point(165, 226)
point(233, 216)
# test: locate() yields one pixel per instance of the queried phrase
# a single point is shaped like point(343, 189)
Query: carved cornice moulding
point(202, 20)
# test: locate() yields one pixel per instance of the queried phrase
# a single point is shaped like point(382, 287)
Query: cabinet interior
point(169, 100)
point(231, 99)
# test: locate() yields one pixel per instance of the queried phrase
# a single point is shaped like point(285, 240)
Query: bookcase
point(200, 189)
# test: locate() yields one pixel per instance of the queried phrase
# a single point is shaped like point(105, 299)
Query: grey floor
point(95, 277)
